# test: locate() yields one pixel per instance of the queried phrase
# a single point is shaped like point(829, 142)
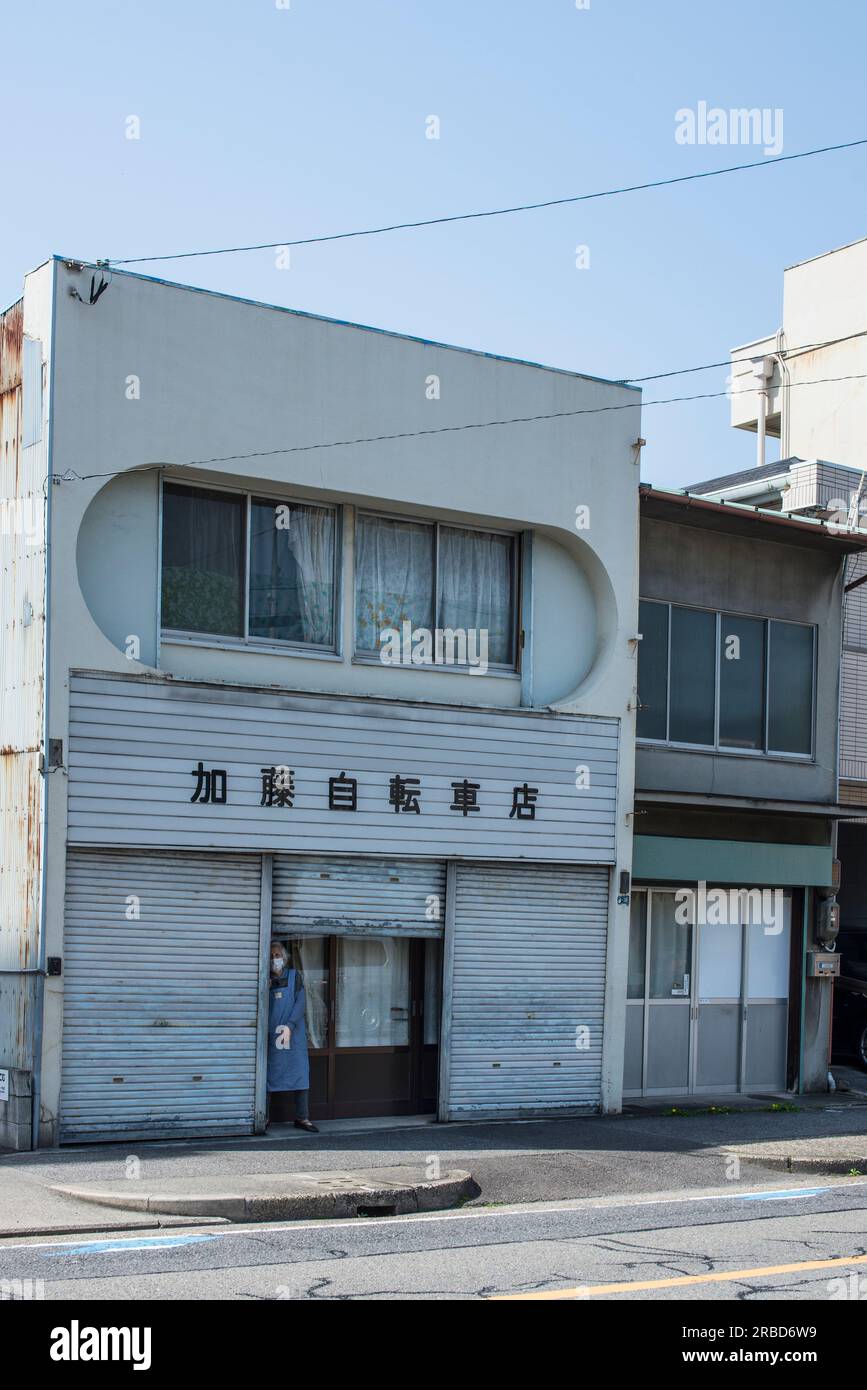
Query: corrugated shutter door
point(160, 1012)
point(528, 971)
point(332, 896)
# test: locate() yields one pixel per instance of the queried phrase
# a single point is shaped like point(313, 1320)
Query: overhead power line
point(70, 475)
point(733, 361)
point(490, 212)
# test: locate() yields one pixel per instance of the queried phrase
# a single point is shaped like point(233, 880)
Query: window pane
point(433, 970)
point(476, 586)
point(693, 676)
point(372, 1004)
point(790, 692)
point(203, 560)
point(394, 567)
point(652, 669)
point(719, 960)
point(769, 957)
point(741, 682)
point(637, 940)
point(670, 949)
point(292, 573)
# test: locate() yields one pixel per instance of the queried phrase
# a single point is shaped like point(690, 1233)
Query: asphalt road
point(787, 1242)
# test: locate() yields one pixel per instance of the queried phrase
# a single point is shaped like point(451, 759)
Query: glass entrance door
point(707, 1002)
point(669, 997)
point(718, 1024)
point(373, 1009)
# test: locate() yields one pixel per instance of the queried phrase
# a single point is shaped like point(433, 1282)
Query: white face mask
point(277, 965)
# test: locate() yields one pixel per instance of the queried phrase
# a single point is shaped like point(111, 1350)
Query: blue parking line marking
point(100, 1247)
point(784, 1195)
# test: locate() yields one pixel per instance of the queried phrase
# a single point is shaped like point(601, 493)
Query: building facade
point(291, 651)
point(806, 385)
point(736, 798)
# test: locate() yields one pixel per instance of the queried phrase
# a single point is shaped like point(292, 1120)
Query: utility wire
point(70, 475)
point(491, 212)
point(733, 361)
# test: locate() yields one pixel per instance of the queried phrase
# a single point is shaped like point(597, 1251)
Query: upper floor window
point(436, 577)
point(252, 568)
point(722, 680)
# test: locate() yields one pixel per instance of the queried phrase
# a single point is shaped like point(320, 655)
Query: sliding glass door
point(707, 1002)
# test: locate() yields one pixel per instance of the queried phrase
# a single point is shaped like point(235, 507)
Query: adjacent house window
point(435, 576)
point(246, 567)
point(692, 676)
point(722, 680)
point(742, 643)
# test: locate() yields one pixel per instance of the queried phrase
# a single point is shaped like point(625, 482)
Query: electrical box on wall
point(823, 963)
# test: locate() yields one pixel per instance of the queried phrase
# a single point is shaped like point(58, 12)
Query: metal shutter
point(331, 896)
point(160, 1013)
point(528, 969)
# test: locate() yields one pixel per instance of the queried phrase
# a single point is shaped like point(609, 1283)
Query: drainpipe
point(786, 382)
point(805, 930)
point(38, 1026)
point(763, 370)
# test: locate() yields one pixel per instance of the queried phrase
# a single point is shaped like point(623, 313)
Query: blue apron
point(288, 1067)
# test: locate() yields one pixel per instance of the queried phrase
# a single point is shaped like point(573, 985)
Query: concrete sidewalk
point(654, 1147)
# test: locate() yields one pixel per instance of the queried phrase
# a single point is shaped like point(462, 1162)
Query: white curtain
point(372, 992)
point(475, 578)
point(393, 578)
point(311, 542)
point(308, 956)
point(292, 573)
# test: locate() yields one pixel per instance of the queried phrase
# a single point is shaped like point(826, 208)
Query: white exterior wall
point(823, 299)
point(221, 377)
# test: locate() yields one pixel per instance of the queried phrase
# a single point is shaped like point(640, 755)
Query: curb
point(392, 1200)
point(117, 1228)
point(791, 1163)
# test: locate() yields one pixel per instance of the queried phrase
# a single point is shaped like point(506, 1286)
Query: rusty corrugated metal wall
point(22, 651)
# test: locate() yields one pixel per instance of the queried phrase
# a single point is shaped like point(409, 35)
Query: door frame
point(740, 1087)
point(261, 1092)
point(683, 1002)
point(331, 1053)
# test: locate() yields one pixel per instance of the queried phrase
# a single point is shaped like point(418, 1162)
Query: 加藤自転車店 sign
point(169, 764)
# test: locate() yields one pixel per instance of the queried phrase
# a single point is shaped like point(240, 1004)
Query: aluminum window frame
point(366, 655)
point(716, 747)
point(246, 642)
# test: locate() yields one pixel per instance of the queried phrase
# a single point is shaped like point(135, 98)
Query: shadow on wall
point(118, 563)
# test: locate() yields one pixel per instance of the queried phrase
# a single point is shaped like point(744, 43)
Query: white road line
point(474, 1214)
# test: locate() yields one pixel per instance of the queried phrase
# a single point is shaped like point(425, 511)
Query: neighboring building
point(812, 488)
point(736, 789)
point(206, 740)
point(836, 495)
point(806, 385)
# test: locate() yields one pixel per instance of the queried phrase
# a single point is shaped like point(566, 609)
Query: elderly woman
point(288, 1064)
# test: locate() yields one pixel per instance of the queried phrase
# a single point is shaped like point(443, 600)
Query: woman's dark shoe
point(308, 1125)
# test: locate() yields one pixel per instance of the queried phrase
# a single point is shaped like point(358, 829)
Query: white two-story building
point(318, 632)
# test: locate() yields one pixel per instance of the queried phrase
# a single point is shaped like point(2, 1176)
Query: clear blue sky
point(259, 123)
